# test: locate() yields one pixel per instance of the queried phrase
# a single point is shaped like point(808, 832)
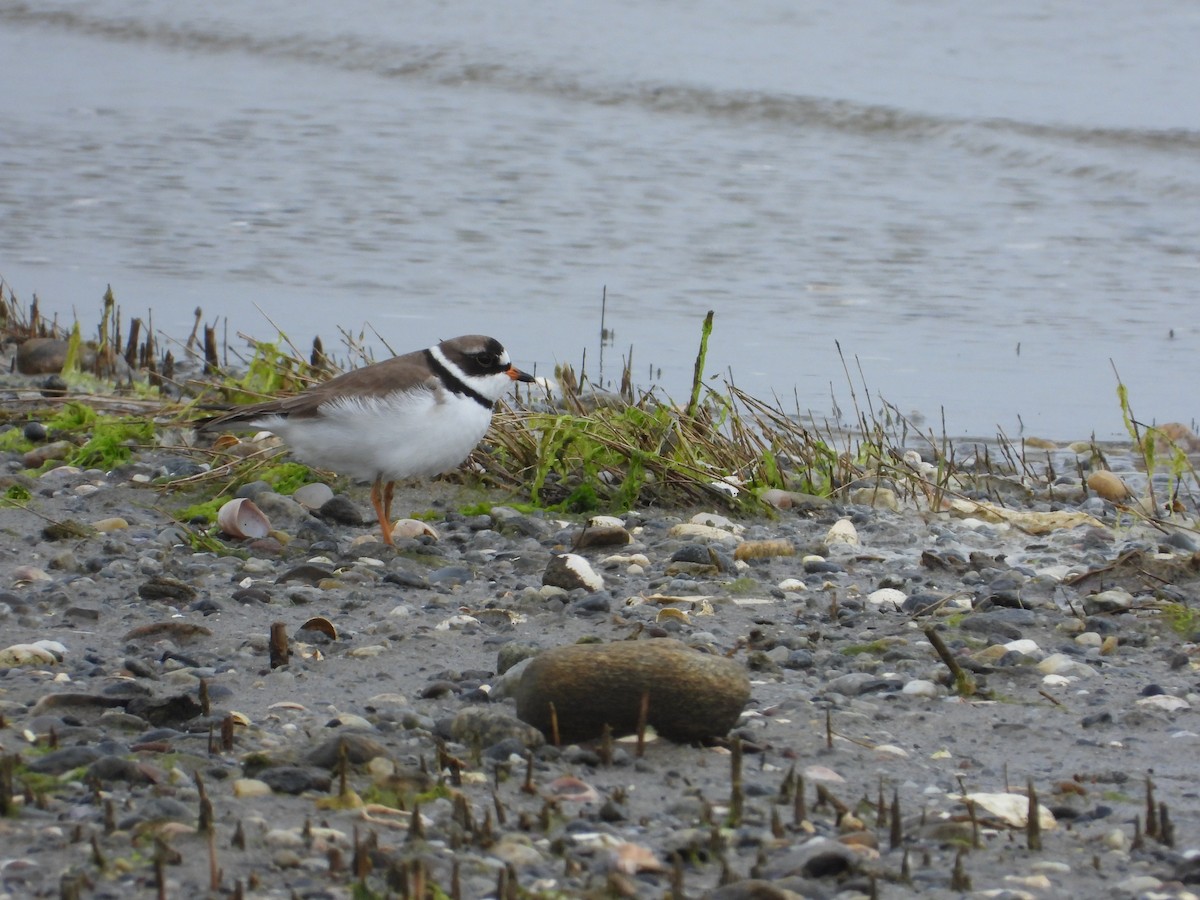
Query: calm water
point(988, 208)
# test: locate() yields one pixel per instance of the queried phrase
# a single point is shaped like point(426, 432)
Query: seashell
point(672, 613)
point(413, 528)
point(313, 496)
point(630, 859)
point(572, 789)
point(23, 575)
point(1011, 809)
point(225, 441)
point(240, 518)
point(321, 624)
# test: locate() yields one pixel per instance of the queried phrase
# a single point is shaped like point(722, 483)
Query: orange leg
point(381, 499)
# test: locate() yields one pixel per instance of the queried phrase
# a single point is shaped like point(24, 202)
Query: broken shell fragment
point(413, 528)
point(322, 625)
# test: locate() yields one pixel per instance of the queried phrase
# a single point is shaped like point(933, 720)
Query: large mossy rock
point(692, 695)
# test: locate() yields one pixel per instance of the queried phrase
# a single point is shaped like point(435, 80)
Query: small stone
point(693, 532)
point(341, 511)
point(570, 571)
point(358, 749)
point(1061, 664)
point(162, 587)
point(1109, 486)
point(42, 356)
point(1115, 600)
point(26, 655)
point(481, 726)
point(35, 432)
point(888, 597)
point(880, 498)
point(1165, 702)
point(39, 456)
point(604, 531)
point(114, 523)
point(920, 687)
point(842, 532)
point(248, 788)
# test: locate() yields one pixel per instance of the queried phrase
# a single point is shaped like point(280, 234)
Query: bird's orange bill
point(517, 375)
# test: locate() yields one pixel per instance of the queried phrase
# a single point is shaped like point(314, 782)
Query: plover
point(410, 416)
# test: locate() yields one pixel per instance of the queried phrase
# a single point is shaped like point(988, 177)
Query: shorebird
point(410, 416)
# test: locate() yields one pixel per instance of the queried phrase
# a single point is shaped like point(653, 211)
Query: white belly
point(397, 437)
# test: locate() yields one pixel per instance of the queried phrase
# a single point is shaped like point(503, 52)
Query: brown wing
point(398, 373)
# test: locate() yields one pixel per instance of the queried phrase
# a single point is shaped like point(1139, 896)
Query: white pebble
point(1116, 839)
point(792, 584)
point(1165, 702)
point(842, 532)
point(1024, 646)
point(1138, 885)
point(703, 533)
point(921, 687)
point(1057, 681)
point(887, 596)
point(1061, 664)
point(712, 520)
point(251, 787)
point(1089, 639)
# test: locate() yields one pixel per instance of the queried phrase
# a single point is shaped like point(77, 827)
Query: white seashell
point(313, 496)
point(1012, 809)
point(240, 518)
point(413, 528)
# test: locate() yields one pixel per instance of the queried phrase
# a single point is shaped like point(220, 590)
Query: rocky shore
point(152, 748)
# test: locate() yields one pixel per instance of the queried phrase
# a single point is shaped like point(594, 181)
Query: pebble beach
point(155, 745)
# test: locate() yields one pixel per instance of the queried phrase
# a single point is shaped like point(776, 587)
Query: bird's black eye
point(487, 360)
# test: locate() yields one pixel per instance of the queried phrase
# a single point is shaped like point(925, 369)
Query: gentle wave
point(446, 66)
